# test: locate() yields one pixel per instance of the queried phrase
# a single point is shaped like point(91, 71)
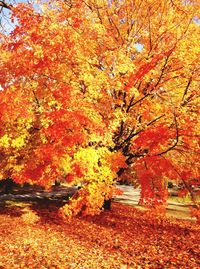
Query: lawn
point(33, 235)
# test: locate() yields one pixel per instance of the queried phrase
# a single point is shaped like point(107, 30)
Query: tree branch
point(132, 133)
point(176, 141)
point(4, 5)
point(185, 91)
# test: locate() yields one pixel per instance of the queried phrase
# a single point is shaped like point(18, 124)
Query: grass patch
point(183, 200)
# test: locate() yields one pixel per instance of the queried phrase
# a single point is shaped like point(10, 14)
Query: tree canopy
point(93, 92)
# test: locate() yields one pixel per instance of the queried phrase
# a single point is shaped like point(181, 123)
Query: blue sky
point(5, 16)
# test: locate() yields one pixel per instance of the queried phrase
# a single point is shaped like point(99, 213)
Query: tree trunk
point(107, 204)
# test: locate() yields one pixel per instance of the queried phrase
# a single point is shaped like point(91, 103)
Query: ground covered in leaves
point(34, 236)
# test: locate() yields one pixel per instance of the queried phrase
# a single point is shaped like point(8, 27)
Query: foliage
point(95, 89)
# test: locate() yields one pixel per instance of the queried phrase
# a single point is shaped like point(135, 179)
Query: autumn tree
point(93, 91)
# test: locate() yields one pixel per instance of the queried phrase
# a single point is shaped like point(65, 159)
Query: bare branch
point(4, 5)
